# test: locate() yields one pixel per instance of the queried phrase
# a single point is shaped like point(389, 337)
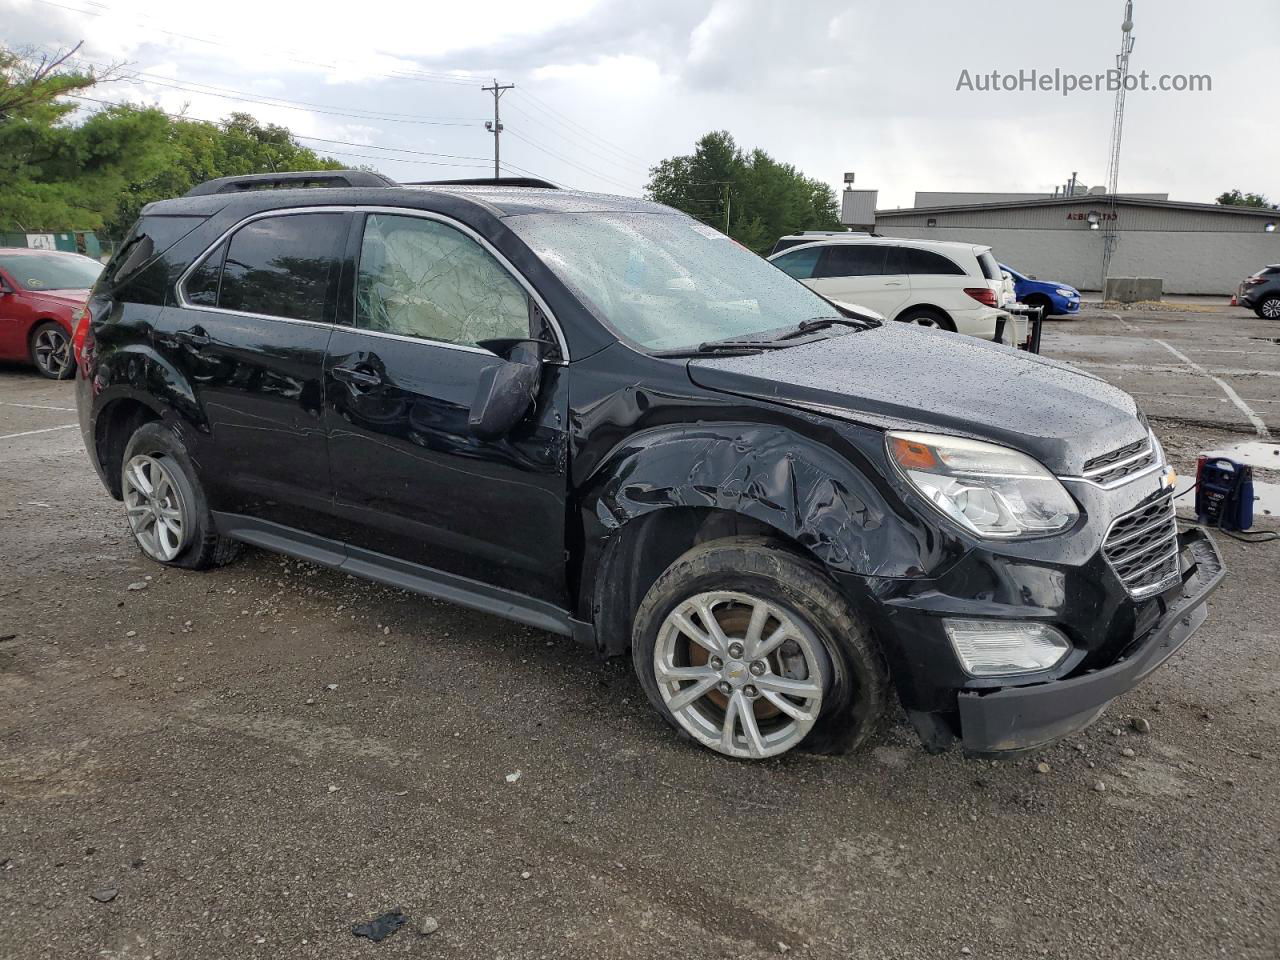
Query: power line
point(222, 123)
point(242, 96)
point(578, 146)
point(564, 159)
point(567, 121)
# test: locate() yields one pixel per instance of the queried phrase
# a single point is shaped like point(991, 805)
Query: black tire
point(1039, 300)
point(50, 350)
point(201, 547)
point(855, 695)
point(927, 317)
point(1269, 309)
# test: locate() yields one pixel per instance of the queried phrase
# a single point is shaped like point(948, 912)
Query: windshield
point(51, 271)
point(664, 280)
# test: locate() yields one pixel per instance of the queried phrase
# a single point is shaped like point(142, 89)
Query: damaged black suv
point(599, 417)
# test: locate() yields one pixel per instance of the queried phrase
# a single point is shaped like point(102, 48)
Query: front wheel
point(1269, 309)
point(51, 351)
point(747, 649)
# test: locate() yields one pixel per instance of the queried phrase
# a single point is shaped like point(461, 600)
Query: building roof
point(1097, 200)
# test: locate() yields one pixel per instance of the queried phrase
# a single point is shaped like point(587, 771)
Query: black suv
point(597, 416)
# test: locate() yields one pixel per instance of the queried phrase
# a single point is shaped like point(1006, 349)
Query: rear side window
point(150, 236)
point(800, 264)
point(202, 284)
point(852, 260)
point(422, 278)
point(278, 266)
point(990, 268)
point(927, 262)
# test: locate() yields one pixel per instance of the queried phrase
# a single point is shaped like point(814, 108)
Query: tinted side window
point(282, 266)
point(799, 264)
point(852, 260)
point(423, 278)
point(928, 262)
point(202, 283)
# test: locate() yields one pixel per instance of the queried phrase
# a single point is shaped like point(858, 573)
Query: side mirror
point(506, 389)
point(5, 289)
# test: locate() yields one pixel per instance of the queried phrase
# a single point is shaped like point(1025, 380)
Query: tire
point(1269, 309)
point(50, 350)
point(1044, 303)
point(925, 317)
point(826, 647)
point(172, 524)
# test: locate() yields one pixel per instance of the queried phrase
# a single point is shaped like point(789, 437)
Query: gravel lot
point(245, 763)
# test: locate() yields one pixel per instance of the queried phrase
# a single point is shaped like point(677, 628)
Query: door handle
point(893, 283)
point(359, 375)
point(194, 337)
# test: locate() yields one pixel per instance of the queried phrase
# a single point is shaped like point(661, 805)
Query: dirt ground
point(247, 762)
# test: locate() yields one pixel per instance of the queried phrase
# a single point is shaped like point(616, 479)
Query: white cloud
point(606, 88)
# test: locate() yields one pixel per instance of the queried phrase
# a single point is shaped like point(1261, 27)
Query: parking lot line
point(1258, 425)
point(36, 406)
point(28, 433)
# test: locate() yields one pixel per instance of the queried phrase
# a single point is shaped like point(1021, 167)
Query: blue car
point(1056, 298)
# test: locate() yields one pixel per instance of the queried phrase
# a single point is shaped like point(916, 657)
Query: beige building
point(1195, 248)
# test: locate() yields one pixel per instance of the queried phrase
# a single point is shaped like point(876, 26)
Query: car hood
point(904, 376)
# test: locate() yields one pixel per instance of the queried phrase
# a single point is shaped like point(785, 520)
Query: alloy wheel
point(154, 503)
point(51, 350)
point(740, 674)
point(1271, 308)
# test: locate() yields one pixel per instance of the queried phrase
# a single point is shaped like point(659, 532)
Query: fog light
point(995, 648)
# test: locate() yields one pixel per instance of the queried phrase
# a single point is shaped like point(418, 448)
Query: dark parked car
point(40, 292)
point(599, 417)
point(1261, 292)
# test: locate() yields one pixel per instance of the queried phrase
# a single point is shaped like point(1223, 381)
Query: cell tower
point(1109, 237)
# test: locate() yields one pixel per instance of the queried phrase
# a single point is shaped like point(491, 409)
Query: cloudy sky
point(606, 88)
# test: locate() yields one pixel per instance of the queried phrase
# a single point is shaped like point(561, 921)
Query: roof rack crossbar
point(487, 182)
point(300, 178)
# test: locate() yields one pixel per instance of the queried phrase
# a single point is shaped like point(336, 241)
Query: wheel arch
point(116, 422)
point(676, 487)
point(930, 307)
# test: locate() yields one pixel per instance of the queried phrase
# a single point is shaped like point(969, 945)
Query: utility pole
point(1109, 237)
point(727, 201)
point(494, 126)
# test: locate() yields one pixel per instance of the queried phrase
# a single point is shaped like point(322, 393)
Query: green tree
point(1234, 198)
point(749, 195)
point(60, 170)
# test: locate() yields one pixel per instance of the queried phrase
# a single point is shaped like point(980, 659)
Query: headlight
point(1066, 293)
point(989, 490)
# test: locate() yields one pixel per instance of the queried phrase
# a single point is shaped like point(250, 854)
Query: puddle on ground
point(1261, 455)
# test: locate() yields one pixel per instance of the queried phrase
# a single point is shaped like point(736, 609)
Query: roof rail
point(300, 178)
point(487, 182)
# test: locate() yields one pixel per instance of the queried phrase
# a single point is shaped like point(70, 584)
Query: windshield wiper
point(822, 323)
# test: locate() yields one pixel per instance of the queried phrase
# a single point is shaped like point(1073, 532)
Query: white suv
point(934, 283)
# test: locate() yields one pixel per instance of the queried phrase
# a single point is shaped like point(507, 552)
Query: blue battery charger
point(1224, 493)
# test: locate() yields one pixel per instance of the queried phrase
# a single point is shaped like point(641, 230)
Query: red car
point(40, 292)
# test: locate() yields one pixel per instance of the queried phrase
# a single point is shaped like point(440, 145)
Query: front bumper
point(1063, 305)
point(1016, 719)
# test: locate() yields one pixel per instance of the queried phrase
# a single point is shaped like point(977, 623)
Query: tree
point(1234, 198)
point(63, 171)
point(751, 196)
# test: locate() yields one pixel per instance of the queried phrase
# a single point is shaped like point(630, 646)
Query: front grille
point(1124, 462)
point(1142, 547)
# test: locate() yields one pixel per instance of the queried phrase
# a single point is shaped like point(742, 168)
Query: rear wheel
point(924, 317)
point(1269, 309)
point(749, 650)
point(168, 514)
point(51, 351)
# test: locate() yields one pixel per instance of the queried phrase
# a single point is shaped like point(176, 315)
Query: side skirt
point(414, 577)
